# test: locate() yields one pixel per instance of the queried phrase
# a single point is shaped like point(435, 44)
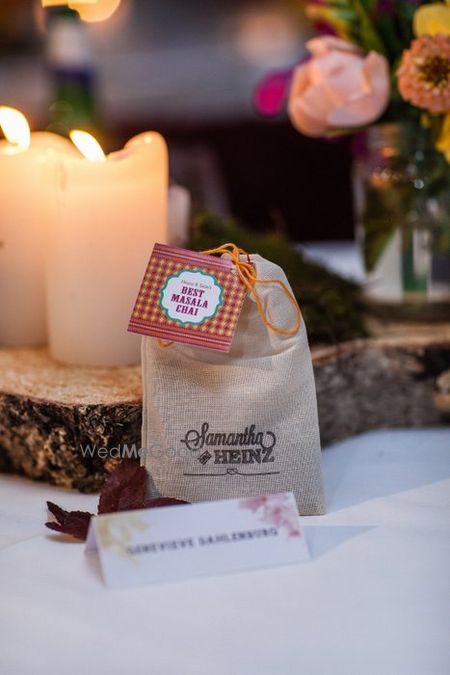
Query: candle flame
point(15, 127)
point(89, 147)
point(89, 10)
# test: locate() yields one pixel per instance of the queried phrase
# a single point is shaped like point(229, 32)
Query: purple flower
point(271, 93)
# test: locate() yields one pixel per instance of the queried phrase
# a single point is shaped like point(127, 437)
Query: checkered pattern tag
point(189, 297)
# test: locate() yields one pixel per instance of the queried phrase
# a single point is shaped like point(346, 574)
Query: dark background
point(188, 68)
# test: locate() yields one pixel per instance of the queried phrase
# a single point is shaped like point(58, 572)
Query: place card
point(188, 297)
point(197, 540)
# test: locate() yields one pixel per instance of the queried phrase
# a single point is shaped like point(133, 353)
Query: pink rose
point(338, 88)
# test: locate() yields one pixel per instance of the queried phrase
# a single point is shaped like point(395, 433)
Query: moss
point(330, 304)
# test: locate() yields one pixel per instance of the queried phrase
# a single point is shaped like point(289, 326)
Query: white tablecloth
point(373, 600)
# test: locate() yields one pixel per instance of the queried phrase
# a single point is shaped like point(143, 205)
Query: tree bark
point(50, 412)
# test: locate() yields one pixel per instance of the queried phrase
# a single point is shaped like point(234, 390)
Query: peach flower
point(424, 73)
point(338, 88)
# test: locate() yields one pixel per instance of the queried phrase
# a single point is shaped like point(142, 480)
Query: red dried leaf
point(158, 502)
point(125, 489)
point(74, 523)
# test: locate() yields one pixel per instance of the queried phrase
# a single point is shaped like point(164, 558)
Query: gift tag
point(188, 297)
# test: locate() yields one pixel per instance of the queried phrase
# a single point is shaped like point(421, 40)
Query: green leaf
point(368, 36)
point(329, 304)
point(390, 34)
point(369, 5)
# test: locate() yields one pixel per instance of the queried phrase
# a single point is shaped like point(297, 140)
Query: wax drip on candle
point(89, 147)
point(15, 127)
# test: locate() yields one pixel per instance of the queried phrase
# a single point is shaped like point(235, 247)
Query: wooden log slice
point(49, 411)
point(384, 382)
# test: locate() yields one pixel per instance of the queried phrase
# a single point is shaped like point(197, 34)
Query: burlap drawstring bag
point(244, 423)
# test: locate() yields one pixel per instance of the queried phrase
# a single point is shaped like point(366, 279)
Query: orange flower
point(424, 73)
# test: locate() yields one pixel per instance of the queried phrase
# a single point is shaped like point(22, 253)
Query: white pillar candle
point(111, 213)
point(180, 202)
point(26, 207)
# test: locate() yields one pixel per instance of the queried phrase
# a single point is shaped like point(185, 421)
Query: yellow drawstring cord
point(246, 273)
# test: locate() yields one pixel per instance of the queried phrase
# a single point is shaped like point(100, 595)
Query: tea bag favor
point(222, 425)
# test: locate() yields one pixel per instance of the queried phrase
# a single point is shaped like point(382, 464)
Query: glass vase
point(402, 206)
